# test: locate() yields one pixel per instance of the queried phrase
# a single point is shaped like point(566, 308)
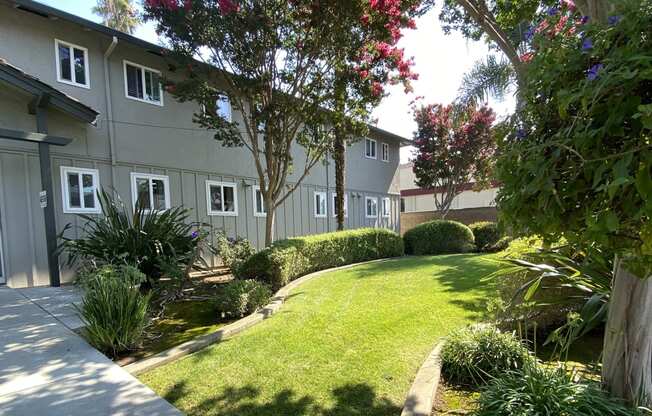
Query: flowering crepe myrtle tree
point(578, 164)
point(277, 62)
point(454, 146)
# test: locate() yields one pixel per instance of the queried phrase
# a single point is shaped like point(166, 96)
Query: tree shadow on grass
point(350, 399)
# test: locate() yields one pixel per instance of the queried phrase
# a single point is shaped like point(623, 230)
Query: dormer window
point(142, 83)
point(72, 64)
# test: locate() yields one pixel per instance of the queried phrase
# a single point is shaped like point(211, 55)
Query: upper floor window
point(384, 152)
point(72, 64)
point(79, 189)
point(223, 107)
point(142, 83)
point(402, 204)
point(259, 203)
point(222, 198)
point(151, 191)
point(320, 204)
point(386, 207)
point(371, 205)
point(346, 204)
point(370, 148)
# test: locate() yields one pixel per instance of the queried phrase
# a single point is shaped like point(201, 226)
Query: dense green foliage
point(146, 239)
point(233, 252)
point(242, 297)
point(113, 309)
point(474, 355)
point(578, 163)
point(288, 259)
point(439, 237)
point(486, 234)
point(539, 390)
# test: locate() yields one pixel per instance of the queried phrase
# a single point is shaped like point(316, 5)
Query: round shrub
point(486, 234)
point(242, 297)
point(475, 355)
point(539, 390)
point(439, 237)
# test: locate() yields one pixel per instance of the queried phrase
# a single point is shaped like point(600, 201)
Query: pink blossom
point(377, 89)
point(527, 57)
point(228, 6)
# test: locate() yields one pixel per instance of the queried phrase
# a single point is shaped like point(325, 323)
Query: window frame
point(143, 68)
point(384, 151)
point(323, 195)
point(389, 207)
point(403, 205)
point(73, 76)
point(217, 107)
point(346, 204)
point(375, 142)
point(150, 177)
point(255, 190)
point(223, 213)
point(67, 209)
point(366, 212)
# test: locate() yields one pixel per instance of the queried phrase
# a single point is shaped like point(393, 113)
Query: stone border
point(233, 328)
point(421, 398)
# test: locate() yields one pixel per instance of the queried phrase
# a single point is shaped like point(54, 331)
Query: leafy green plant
point(242, 297)
point(486, 234)
point(113, 309)
point(142, 238)
point(439, 237)
point(233, 252)
point(543, 391)
point(474, 355)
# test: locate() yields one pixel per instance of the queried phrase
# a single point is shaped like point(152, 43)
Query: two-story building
point(81, 108)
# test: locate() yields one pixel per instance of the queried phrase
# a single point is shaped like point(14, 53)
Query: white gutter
point(109, 103)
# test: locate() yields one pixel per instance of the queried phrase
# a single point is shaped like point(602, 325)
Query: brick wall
point(467, 216)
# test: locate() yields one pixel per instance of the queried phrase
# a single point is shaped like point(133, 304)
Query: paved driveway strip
point(47, 369)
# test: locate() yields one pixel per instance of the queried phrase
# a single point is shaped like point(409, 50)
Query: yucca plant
point(143, 238)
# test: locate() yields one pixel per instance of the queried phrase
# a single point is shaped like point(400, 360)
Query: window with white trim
point(386, 208)
point(152, 191)
point(72, 64)
point(259, 202)
point(143, 83)
point(384, 152)
point(371, 207)
point(221, 198)
point(346, 204)
point(370, 148)
point(320, 204)
point(79, 190)
point(223, 107)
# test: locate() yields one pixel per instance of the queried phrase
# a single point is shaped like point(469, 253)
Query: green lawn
point(346, 343)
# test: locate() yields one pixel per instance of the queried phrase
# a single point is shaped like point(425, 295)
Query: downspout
point(109, 107)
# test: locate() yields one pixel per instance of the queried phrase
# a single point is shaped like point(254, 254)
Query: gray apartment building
point(81, 108)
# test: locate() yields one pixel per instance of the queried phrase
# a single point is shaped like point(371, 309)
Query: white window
point(143, 84)
point(346, 205)
point(259, 203)
point(153, 191)
point(370, 148)
point(72, 64)
point(384, 152)
point(223, 107)
point(320, 204)
point(222, 198)
point(386, 207)
point(79, 189)
point(371, 205)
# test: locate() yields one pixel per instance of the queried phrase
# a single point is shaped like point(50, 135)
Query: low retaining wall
point(421, 398)
point(466, 216)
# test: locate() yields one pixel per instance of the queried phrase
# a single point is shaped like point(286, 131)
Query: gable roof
point(15, 76)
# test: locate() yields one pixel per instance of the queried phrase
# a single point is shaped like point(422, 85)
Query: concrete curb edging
point(233, 328)
point(421, 397)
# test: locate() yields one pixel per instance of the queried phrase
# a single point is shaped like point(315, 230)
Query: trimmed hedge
point(289, 259)
point(439, 237)
point(486, 234)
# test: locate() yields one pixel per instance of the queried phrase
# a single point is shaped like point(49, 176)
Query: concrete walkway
point(46, 369)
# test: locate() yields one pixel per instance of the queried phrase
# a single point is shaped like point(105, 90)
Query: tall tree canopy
point(118, 14)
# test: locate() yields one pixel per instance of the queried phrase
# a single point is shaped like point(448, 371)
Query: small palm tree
point(118, 14)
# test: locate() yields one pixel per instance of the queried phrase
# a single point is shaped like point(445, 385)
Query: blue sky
point(441, 61)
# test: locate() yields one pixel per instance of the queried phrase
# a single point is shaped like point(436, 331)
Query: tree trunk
point(339, 155)
point(627, 354)
point(269, 222)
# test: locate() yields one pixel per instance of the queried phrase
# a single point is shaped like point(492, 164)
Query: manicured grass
point(346, 343)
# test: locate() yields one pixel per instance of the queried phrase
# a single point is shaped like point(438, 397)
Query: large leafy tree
point(579, 164)
point(454, 147)
point(118, 14)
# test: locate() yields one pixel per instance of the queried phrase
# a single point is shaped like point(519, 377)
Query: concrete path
point(46, 369)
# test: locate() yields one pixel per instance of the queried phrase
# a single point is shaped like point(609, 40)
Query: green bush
point(113, 309)
point(486, 234)
point(538, 390)
point(242, 297)
point(474, 355)
point(439, 237)
point(286, 260)
point(500, 245)
point(233, 252)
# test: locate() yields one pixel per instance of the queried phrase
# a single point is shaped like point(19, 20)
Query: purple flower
point(587, 44)
point(521, 134)
point(530, 33)
point(552, 11)
point(584, 20)
point(614, 20)
point(195, 234)
point(594, 72)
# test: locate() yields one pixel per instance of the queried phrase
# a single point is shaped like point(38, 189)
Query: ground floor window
point(259, 203)
point(222, 198)
point(320, 204)
point(79, 190)
point(346, 205)
point(371, 205)
point(152, 191)
point(386, 207)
